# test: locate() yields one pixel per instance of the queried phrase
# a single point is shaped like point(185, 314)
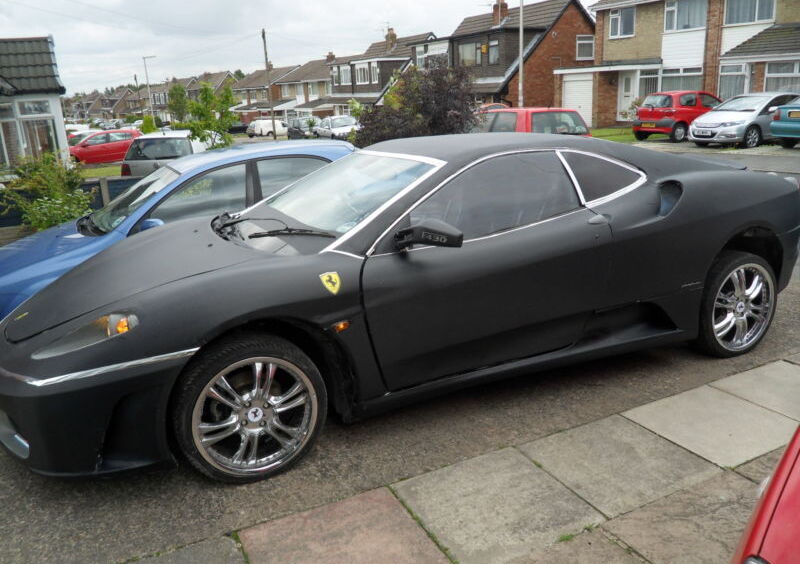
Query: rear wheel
point(738, 304)
point(678, 134)
point(270, 135)
point(640, 135)
point(787, 142)
point(752, 137)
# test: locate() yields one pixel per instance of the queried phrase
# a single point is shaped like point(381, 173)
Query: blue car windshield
point(118, 209)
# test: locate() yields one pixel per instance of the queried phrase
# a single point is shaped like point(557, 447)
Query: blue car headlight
point(101, 329)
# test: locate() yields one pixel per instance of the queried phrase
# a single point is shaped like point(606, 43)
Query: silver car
point(154, 150)
point(743, 120)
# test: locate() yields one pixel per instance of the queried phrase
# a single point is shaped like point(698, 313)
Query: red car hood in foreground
point(773, 534)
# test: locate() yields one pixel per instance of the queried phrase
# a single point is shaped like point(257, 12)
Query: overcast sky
point(100, 43)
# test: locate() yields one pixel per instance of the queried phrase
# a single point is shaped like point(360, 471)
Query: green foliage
point(238, 74)
point(432, 101)
point(211, 116)
point(178, 102)
point(148, 124)
point(46, 191)
point(130, 118)
point(159, 121)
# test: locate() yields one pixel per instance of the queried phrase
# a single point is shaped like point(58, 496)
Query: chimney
point(391, 39)
point(499, 12)
point(330, 57)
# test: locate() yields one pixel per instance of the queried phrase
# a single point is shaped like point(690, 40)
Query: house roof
point(214, 78)
point(538, 15)
point(402, 48)
point(775, 40)
point(28, 65)
point(309, 72)
point(257, 79)
point(608, 4)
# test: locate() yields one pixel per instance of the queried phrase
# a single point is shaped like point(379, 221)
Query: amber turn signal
point(340, 326)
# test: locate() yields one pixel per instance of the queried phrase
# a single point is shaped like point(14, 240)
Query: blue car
point(203, 184)
point(785, 124)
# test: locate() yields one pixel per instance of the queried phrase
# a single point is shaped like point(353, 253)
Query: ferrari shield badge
point(331, 281)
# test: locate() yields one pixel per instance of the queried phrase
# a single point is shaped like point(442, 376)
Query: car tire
point(678, 133)
point(270, 135)
point(233, 430)
point(701, 143)
point(787, 142)
point(251, 135)
point(640, 135)
point(738, 304)
point(752, 138)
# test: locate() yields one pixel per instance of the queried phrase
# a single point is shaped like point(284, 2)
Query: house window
point(749, 11)
point(732, 80)
point(375, 73)
point(494, 52)
point(469, 54)
point(40, 136)
point(312, 89)
point(783, 77)
point(335, 76)
point(622, 22)
point(362, 73)
point(33, 107)
point(345, 70)
point(584, 47)
point(287, 91)
point(684, 14)
point(422, 53)
point(648, 82)
point(682, 79)
point(328, 88)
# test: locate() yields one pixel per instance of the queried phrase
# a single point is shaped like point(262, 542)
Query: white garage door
point(578, 94)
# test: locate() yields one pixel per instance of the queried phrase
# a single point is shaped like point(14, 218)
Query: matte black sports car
point(411, 268)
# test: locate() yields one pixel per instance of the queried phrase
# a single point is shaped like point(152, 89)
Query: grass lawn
point(97, 172)
point(619, 134)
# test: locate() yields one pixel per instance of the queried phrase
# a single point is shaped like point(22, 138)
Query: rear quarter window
point(598, 178)
point(504, 122)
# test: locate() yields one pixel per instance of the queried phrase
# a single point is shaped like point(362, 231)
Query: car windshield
point(742, 104)
point(341, 195)
point(130, 200)
point(158, 148)
point(343, 121)
point(658, 101)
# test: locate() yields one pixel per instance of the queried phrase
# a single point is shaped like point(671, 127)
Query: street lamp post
point(147, 79)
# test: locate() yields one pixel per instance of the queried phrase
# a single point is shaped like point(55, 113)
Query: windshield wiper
point(290, 231)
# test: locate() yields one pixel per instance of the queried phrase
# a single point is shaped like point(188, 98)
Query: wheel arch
point(761, 241)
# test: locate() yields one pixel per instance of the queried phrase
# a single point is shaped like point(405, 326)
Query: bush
point(46, 191)
point(130, 119)
point(148, 125)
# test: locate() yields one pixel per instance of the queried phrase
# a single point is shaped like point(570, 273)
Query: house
point(252, 92)
point(555, 33)
point(159, 94)
point(721, 46)
point(366, 77)
point(310, 85)
point(217, 80)
point(80, 105)
point(31, 118)
point(115, 104)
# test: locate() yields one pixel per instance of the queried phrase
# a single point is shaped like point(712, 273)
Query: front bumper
point(733, 134)
point(90, 423)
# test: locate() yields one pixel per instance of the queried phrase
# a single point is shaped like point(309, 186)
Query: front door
point(626, 95)
point(532, 268)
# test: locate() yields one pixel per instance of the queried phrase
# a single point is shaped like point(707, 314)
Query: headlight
point(731, 123)
point(755, 560)
point(100, 329)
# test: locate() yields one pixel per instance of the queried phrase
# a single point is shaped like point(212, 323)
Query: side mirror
point(150, 223)
point(432, 232)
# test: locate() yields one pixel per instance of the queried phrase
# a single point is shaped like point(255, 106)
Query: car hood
point(344, 129)
point(722, 117)
point(141, 262)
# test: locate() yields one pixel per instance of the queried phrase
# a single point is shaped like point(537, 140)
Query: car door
point(765, 116)
point(276, 173)
point(118, 144)
point(531, 270)
point(688, 108)
point(94, 150)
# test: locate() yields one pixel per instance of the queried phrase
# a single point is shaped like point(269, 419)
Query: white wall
point(736, 34)
point(683, 48)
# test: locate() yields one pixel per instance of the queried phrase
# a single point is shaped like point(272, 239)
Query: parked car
point(237, 127)
point(742, 120)
point(405, 270)
point(138, 123)
point(533, 120)
point(337, 127)
point(299, 127)
point(671, 113)
point(493, 106)
point(104, 146)
point(152, 151)
point(772, 536)
point(75, 138)
point(263, 128)
point(196, 185)
point(785, 124)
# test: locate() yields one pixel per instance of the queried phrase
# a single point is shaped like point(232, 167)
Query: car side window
point(557, 122)
point(278, 173)
point(118, 136)
point(223, 189)
point(688, 100)
point(598, 177)
point(97, 139)
point(504, 122)
point(502, 193)
point(708, 101)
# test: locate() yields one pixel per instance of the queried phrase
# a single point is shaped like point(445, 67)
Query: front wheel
point(752, 137)
point(640, 135)
point(678, 134)
point(701, 143)
point(249, 408)
point(738, 304)
point(787, 142)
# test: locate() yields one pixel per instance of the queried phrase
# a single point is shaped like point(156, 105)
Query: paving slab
point(715, 425)
point(616, 465)
point(762, 467)
point(795, 358)
point(586, 548)
point(701, 524)
point(362, 529)
point(495, 508)
point(775, 386)
point(217, 550)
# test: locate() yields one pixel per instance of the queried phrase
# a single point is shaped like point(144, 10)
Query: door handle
point(599, 219)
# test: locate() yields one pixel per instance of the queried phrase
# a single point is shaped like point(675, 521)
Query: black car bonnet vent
point(670, 192)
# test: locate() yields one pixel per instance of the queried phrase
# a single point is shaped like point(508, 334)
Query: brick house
point(555, 33)
point(251, 92)
point(113, 105)
point(310, 84)
point(217, 80)
point(159, 94)
point(644, 46)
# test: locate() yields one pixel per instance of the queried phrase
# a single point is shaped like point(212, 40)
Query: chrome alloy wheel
point(752, 138)
point(743, 307)
point(255, 415)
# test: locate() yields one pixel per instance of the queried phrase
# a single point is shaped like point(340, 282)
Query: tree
point(432, 101)
point(238, 74)
point(212, 116)
point(178, 104)
point(148, 124)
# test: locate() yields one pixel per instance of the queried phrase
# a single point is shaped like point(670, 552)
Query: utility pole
point(147, 79)
point(520, 92)
point(269, 86)
point(138, 92)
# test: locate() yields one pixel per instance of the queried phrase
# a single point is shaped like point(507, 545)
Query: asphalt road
point(49, 520)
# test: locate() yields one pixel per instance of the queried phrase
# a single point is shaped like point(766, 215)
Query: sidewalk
point(672, 480)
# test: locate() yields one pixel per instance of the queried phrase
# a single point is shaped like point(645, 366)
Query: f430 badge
point(331, 281)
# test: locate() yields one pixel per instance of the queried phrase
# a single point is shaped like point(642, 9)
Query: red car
point(671, 113)
point(104, 146)
point(773, 534)
point(534, 120)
